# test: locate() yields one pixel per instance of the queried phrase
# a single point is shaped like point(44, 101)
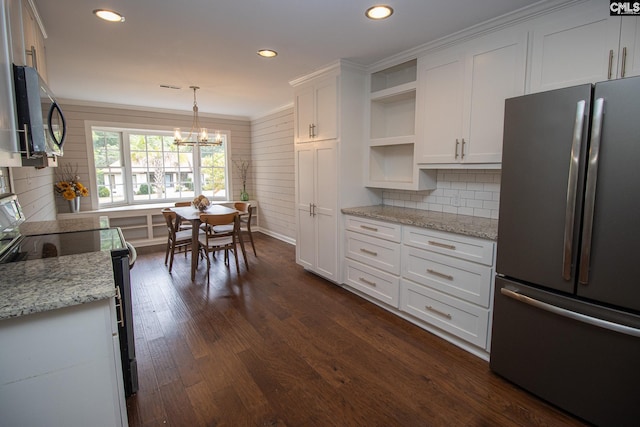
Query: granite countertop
point(483, 228)
point(63, 225)
point(35, 286)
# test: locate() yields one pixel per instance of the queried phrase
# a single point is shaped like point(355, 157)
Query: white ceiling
point(213, 44)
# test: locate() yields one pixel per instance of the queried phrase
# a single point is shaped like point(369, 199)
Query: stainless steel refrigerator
point(566, 316)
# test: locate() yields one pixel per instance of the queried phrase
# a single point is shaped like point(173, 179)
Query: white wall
point(34, 188)
point(272, 154)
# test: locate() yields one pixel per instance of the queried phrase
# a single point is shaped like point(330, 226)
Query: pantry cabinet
point(328, 166)
point(461, 93)
point(315, 110)
point(583, 45)
point(316, 207)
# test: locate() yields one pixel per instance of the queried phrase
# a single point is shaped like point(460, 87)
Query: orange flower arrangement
point(70, 186)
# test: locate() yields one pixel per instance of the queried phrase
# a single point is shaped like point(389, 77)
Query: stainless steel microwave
point(41, 123)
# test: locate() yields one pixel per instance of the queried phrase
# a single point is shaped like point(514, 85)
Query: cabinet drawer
point(373, 282)
point(371, 227)
point(453, 276)
point(452, 315)
point(456, 245)
point(374, 252)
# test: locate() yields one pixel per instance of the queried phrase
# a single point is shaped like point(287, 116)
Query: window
point(145, 166)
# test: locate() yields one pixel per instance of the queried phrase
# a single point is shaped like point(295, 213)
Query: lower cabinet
point(442, 282)
point(372, 263)
point(62, 368)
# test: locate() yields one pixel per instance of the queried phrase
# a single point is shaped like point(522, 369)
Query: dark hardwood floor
point(277, 346)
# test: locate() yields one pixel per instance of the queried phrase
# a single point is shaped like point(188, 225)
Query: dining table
point(191, 214)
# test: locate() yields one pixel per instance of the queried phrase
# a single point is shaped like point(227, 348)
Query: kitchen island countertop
point(484, 228)
point(46, 284)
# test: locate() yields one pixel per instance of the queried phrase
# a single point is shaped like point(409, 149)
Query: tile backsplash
point(464, 192)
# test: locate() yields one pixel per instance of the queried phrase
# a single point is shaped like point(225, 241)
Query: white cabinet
point(392, 131)
point(442, 282)
point(329, 170)
point(315, 110)
point(583, 44)
point(9, 155)
point(316, 207)
point(461, 93)
point(372, 263)
point(447, 281)
point(62, 368)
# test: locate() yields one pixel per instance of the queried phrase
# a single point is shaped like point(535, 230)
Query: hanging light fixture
point(199, 134)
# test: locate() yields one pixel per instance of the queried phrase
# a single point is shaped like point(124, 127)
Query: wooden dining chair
point(245, 211)
point(212, 242)
point(177, 239)
point(183, 225)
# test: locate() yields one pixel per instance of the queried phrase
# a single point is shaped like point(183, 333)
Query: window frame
point(125, 130)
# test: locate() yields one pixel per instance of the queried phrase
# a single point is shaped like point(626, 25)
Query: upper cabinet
point(461, 94)
point(392, 130)
point(33, 37)
point(316, 110)
point(583, 44)
point(9, 155)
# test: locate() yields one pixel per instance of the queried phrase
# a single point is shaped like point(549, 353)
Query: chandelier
point(197, 135)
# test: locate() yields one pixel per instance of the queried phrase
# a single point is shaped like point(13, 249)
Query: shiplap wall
point(34, 188)
point(274, 173)
point(76, 152)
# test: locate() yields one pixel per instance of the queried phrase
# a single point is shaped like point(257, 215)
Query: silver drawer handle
point(366, 227)
point(441, 313)
point(442, 245)
point(437, 273)
point(368, 282)
point(367, 251)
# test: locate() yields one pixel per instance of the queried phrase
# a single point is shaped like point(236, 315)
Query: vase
point(74, 205)
point(244, 196)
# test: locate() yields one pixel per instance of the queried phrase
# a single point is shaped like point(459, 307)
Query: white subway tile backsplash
point(472, 192)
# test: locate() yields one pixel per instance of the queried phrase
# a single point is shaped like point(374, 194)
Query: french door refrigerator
point(566, 323)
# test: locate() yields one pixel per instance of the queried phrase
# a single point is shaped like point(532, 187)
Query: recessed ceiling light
point(267, 53)
point(378, 12)
point(108, 15)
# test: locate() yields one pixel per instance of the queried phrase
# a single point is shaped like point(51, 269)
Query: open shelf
point(394, 76)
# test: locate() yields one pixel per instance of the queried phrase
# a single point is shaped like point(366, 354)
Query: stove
point(14, 247)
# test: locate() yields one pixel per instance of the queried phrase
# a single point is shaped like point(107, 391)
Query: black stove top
point(72, 243)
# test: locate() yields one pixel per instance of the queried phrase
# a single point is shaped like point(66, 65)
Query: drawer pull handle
point(366, 227)
point(441, 313)
point(367, 251)
point(368, 282)
point(437, 273)
point(442, 245)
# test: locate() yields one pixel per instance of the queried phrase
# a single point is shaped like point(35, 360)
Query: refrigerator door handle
point(590, 193)
point(572, 187)
point(594, 321)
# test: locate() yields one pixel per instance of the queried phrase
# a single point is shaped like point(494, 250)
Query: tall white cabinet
point(328, 122)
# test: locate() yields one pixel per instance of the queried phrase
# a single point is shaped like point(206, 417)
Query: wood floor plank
point(278, 346)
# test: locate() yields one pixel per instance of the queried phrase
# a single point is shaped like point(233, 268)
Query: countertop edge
point(483, 228)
